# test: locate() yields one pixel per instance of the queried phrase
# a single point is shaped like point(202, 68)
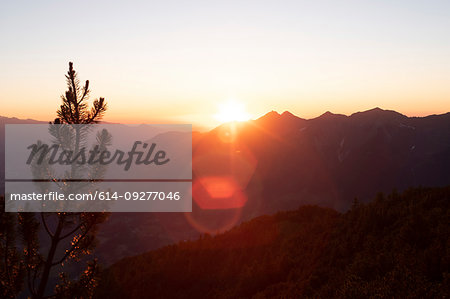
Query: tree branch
point(45, 225)
point(30, 285)
point(68, 252)
point(74, 230)
point(86, 91)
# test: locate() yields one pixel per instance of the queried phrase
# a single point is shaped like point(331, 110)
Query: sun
point(232, 110)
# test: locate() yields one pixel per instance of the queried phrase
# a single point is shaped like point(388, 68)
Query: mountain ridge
point(373, 111)
point(271, 114)
point(284, 162)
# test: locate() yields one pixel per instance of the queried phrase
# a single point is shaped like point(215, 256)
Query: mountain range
point(280, 162)
point(331, 159)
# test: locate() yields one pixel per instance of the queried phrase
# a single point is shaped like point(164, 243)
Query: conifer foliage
point(36, 248)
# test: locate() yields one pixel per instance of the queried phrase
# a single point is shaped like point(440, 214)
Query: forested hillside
point(395, 246)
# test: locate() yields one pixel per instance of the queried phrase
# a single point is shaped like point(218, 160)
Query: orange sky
point(179, 62)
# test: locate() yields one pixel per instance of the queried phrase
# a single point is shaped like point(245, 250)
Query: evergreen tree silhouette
point(72, 235)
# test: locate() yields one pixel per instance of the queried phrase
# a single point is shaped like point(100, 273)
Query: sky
point(179, 61)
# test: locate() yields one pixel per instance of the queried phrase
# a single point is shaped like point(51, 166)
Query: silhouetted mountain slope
point(333, 158)
point(396, 246)
point(280, 161)
point(9, 120)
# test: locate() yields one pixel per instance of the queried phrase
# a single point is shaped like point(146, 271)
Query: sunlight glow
point(232, 110)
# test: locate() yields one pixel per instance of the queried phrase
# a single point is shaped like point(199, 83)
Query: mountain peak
point(327, 114)
point(275, 116)
point(287, 114)
point(280, 122)
point(272, 115)
point(378, 112)
point(330, 115)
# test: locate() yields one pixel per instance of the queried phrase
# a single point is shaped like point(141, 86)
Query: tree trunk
point(49, 260)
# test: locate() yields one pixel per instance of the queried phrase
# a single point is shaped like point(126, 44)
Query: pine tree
point(74, 109)
point(72, 235)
